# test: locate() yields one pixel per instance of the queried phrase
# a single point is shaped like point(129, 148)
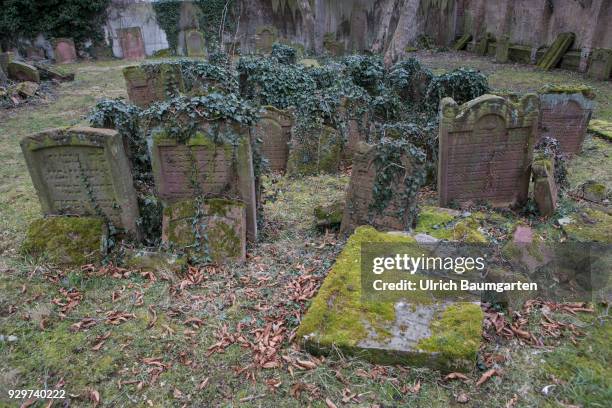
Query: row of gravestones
point(133, 46)
point(599, 61)
point(486, 154)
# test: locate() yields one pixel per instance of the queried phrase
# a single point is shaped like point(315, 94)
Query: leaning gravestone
point(274, 132)
point(153, 82)
point(565, 115)
point(132, 43)
point(544, 185)
point(502, 49)
point(601, 64)
point(20, 71)
point(205, 166)
point(553, 55)
point(194, 42)
point(84, 172)
point(360, 207)
point(64, 50)
point(486, 147)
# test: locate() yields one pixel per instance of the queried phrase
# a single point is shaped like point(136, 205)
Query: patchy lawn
point(200, 337)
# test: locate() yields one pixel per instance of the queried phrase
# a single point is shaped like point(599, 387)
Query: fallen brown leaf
point(486, 376)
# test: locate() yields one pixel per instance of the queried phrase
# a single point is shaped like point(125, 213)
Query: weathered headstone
point(462, 42)
point(357, 125)
point(360, 207)
point(64, 50)
point(203, 167)
point(565, 115)
point(486, 148)
point(334, 47)
point(319, 152)
point(553, 55)
point(153, 82)
point(83, 171)
point(132, 43)
point(502, 49)
point(482, 47)
point(274, 131)
point(5, 59)
point(601, 64)
point(221, 223)
point(544, 185)
point(20, 71)
point(194, 42)
point(265, 37)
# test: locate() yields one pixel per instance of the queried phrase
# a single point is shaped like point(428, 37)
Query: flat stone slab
point(601, 128)
point(414, 330)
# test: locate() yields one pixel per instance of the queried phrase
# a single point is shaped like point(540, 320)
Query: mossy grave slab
point(419, 330)
point(601, 128)
point(67, 240)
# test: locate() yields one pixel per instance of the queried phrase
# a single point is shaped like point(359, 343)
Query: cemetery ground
point(173, 337)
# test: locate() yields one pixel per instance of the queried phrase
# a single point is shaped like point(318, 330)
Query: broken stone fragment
point(593, 191)
point(27, 89)
point(20, 71)
point(67, 240)
point(544, 185)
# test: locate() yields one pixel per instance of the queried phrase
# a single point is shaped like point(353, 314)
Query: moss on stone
point(442, 224)
point(601, 128)
point(585, 90)
point(596, 227)
point(456, 332)
point(66, 240)
point(337, 313)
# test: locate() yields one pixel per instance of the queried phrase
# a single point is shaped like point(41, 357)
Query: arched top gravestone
point(82, 171)
point(64, 50)
point(486, 147)
point(194, 42)
point(132, 43)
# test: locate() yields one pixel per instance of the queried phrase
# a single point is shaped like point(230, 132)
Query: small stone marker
point(565, 115)
point(132, 43)
point(556, 51)
point(502, 49)
point(202, 167)
point(221, 223)
point(83, 171)
point(544, 185)
point(274, 131)
point(601, 64)
point(482, 46)
point(5, 59)
point(64, 50)
point(153, 82)
point(67, 240)
point(316, 155)
point(265, 37)
point(20, 71)
point(397, 216)
point(462, 42)
point(486, 148)
point(194, 41)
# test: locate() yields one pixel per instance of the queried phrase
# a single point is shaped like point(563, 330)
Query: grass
point(241, 298)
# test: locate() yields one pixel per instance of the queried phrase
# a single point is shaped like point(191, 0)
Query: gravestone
point(85, 172)
point(5, 59)
point(553, 55)
point(544, 185)
point(204, 167)
point(20, 71)
point(601, 64)
point(319, 152)
point(502, 49)
point(132, 43)
point(274, 131)
point(153, 82)
point(64, 50)
point(194, 42)
point(565, 115)
point(482, 47)
point(221, 222)
point(265, 37)
point(462, 42)
point(486, 147)
point(396, 216)
point(357, 126)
